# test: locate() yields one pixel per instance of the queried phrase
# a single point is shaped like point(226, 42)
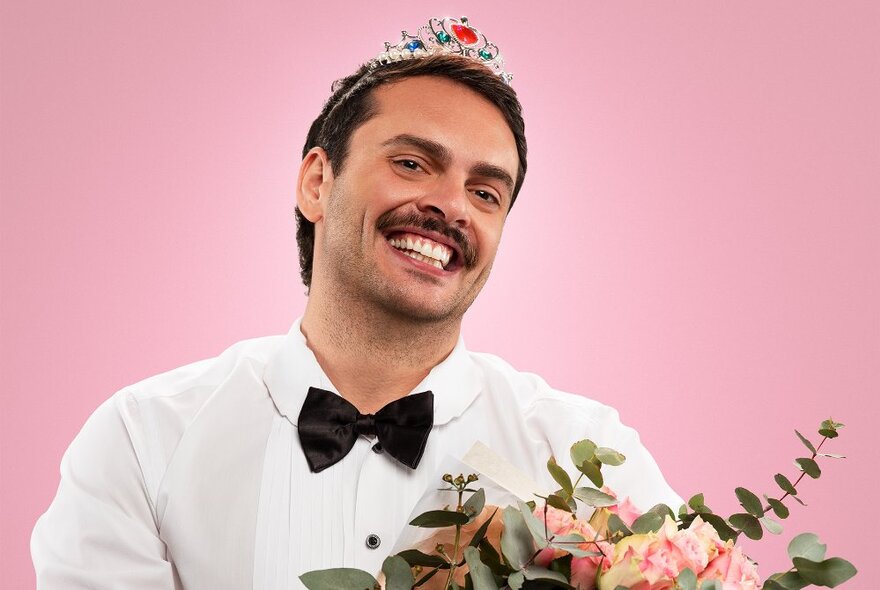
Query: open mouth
point(425, 250)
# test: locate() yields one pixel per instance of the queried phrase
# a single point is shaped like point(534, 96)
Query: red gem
point(465, 34)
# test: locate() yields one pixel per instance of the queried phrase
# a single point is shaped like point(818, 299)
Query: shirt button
point(377, 448)
point(373, 541)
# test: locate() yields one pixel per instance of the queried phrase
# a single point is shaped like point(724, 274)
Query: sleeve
point(100, 530)
point(566, 418)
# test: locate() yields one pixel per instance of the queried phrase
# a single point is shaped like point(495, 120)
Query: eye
point(408, 164)
point(487, 196)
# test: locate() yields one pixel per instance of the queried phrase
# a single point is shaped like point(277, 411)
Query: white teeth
point(422, 249)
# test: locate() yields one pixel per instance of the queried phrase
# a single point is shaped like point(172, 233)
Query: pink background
point(696, 243)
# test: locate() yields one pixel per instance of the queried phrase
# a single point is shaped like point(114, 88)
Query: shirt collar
point(293, 369)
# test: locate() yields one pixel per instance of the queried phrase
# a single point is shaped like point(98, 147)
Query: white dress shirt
point(195, 478)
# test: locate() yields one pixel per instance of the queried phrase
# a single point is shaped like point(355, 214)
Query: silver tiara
point(446, 35)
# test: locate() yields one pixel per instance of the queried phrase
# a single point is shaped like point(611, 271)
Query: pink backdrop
point(696, 243)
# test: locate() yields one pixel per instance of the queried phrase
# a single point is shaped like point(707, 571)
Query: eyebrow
point(441, 153)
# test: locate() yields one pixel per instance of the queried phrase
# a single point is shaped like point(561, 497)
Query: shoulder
point(534, 395)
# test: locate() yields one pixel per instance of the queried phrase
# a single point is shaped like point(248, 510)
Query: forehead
point(443, 111)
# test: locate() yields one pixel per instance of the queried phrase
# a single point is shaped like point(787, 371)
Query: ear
point(313, 184)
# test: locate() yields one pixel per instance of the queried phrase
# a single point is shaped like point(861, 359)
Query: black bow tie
point(329, 426)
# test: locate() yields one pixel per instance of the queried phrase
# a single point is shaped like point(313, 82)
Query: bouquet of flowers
point(584, 537)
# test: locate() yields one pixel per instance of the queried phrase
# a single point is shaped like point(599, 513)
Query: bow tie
point(329, 425)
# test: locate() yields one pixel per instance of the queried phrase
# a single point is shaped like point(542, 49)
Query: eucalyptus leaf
point(474, 505)
point(535, 526)
point(616, 525)
point(750, 502)
point(516, 539)
point(439, 518)
point(559, 475)
point(806, 442)
point(343, 578)
point(649, 522)
point(809, 466)
point(785, 581)
point(583, 451)
point(398, 575)
point(415, 557)
point(772, 526)
point(481, 532)
point(711, 585)
point(541, 573)
point(828, 433)
point(686, 580)
point(491, 558)
point(831, 456)
point(610, 456)
point(785, 484)
point(799, 501)
point(595, 498)
point(780, 509)
point(558, 502)
point(481, 575)
point(516, 580)
point(748, 524)
point(696, 502)
point(593, 473)
point(808, 546)
point(830, 573)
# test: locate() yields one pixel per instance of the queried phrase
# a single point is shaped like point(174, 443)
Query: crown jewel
point(446, 35)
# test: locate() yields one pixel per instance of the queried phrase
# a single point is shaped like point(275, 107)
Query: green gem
point(443, 37)
point(484, 54)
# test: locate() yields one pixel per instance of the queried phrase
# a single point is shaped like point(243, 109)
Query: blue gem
point(413, 45)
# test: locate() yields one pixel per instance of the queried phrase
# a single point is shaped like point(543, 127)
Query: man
point(228, 473)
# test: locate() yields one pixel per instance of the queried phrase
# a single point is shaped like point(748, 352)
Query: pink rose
point(625, 509)
point(652, 561)
point(733, 568)
point(583, 569)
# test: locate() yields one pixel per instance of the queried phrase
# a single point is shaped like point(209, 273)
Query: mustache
point(432, 224)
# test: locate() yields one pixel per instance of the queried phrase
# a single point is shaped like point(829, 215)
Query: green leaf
point(535, 526)
point(592, 472)
point(595, 498)
point(616, 525)
point(474, 505)
point(696, 502)
point(516, 580)
point(516, 540)
point(711, 585)
point(785, 581)
point(583, 451)
point(748, 524)
point(799, 501)
point(720, 525)
point(415, 557)
point(831, 456)
point(439, 518)
point(827, 432)
point(809, 467)
point(558, 502)
point(481, 532)
point(491, 558)
point(339, 579)
point(772, 526)
point(649, 522)
point(540, 573)
point(780, 509)
point(398, 575)
point(559, 475)
point(806, 545)
point(481, 575)
point(806, 442)
point(610, 456)
point(785, 484)
point(831, 424)
point(687, 580)
point(750, 502)
point(830, 573)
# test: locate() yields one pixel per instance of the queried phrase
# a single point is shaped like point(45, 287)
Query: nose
point(447, 200)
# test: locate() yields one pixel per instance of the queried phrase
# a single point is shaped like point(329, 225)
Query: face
point(413, 221)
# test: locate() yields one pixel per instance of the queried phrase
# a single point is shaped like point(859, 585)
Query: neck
point(371, 356)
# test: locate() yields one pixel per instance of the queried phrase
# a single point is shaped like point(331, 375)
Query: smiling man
point(289, 454)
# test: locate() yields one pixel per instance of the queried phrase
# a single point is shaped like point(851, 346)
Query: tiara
point(446, 35)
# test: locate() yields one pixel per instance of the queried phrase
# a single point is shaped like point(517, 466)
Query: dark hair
point(352, 104)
